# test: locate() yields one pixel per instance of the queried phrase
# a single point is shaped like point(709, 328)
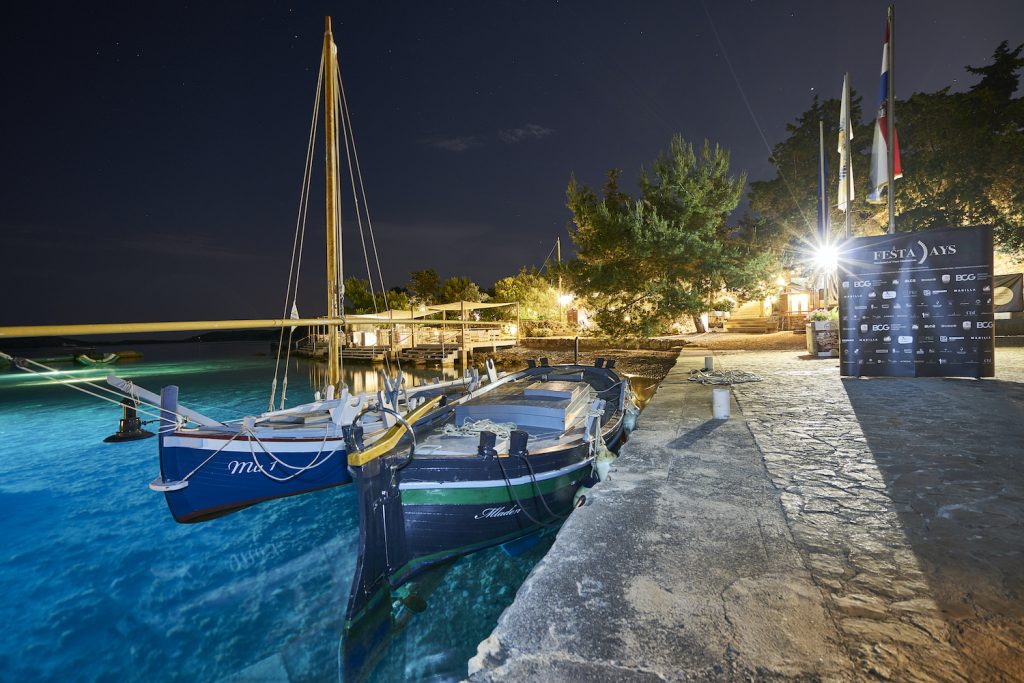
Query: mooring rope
point(75, 382)
point(313, 464)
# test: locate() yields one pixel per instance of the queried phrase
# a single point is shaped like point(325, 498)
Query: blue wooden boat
point(502, 464)
point(209, 468)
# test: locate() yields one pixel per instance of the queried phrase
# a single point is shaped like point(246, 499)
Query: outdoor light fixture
point(826, 258)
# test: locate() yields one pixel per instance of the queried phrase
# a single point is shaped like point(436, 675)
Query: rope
point(366, 208)
point(513, 496)
point(314, 463)
point(295, 265)
point(723, 376)
point(471, 426)
point(20, 364)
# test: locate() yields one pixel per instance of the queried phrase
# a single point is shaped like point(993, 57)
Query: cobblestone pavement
point(906, 499)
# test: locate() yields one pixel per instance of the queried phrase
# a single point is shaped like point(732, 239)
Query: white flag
point(844, 124)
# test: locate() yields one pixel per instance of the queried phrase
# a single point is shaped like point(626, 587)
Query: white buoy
point(720, 397)
point(709, 363)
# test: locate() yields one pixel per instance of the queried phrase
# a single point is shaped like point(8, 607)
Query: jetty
point(441, 334)
point(817, 534)
point(680, 565)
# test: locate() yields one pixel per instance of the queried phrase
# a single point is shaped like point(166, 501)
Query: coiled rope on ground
point(723, 376)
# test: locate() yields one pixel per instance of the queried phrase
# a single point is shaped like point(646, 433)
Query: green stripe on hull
point(491, 494)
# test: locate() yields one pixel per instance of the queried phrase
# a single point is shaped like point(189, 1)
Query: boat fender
point(531, 363)
point(517, 440)
point(603, 461)
point(599, 362)
point(610, 364)
point(413, 603)
point(492, 374)
point(544, 362)
point(486, 448)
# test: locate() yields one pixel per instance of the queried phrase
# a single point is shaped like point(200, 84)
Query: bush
point(549, 328)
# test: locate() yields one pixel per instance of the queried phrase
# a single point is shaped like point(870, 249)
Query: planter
point(823, 338)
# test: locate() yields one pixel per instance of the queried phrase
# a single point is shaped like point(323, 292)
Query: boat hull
point(419, 514)
point(243, 473)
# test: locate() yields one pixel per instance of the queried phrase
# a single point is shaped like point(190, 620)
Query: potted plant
point(823, 332)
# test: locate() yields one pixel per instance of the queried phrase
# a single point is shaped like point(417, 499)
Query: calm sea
point(98, 583)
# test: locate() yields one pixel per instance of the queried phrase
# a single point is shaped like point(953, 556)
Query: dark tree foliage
point(788, 202)
point(457, 289)
point(643, 263)
point(425, 286)
point(962, 154)
point(359, 299)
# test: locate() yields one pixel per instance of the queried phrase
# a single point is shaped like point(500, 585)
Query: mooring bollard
point(709, 363)
point(720, 397)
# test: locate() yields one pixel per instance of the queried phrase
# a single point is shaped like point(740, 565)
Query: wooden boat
point(105, 359)
point(503, 463)
point(209, 468)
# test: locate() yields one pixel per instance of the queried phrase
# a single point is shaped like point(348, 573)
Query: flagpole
point(825, 237)
point(822, 180)
point(848, 162)
point(891, 118)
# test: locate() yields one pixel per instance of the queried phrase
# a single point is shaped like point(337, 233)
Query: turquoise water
point(98, 583)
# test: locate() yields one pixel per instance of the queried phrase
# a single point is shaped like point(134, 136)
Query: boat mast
point(331, 135)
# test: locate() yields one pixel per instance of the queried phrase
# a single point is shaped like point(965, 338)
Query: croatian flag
point(880, 147)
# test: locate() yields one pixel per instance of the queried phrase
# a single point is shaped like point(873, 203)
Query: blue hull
point(235, 479)
point(418, 515)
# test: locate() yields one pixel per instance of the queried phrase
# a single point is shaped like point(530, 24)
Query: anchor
point(130, 427)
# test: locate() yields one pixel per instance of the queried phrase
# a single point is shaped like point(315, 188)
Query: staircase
point(371, 354)
point(750, 318)
point(430, 354)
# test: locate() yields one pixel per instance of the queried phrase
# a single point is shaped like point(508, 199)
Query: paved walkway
point(907, 500)
point(836, 529)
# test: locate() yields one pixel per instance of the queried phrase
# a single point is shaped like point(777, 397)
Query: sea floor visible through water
point(98, 583)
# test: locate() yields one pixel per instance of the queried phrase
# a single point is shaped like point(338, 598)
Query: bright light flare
point(565, 299)
point(826, 258)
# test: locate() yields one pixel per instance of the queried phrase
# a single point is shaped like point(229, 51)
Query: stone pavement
point(837, 529)
point(906, 497)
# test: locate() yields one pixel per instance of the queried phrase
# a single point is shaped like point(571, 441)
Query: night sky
point(152, 153)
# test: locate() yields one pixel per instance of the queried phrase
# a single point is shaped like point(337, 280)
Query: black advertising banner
point(1008, 293)
point(918, 304)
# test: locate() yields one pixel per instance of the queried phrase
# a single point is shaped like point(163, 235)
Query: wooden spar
point(11, 332)
point(333, 243)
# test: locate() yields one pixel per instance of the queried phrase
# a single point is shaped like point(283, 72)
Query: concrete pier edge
point(680, 567)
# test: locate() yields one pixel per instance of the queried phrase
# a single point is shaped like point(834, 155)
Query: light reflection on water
point(97, 582)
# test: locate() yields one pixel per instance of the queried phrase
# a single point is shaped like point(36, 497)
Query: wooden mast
point(331, 135)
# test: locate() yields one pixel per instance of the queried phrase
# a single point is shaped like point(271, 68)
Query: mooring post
point(720, 397)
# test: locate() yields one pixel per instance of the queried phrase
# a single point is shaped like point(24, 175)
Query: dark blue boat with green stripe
point(506, 463)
